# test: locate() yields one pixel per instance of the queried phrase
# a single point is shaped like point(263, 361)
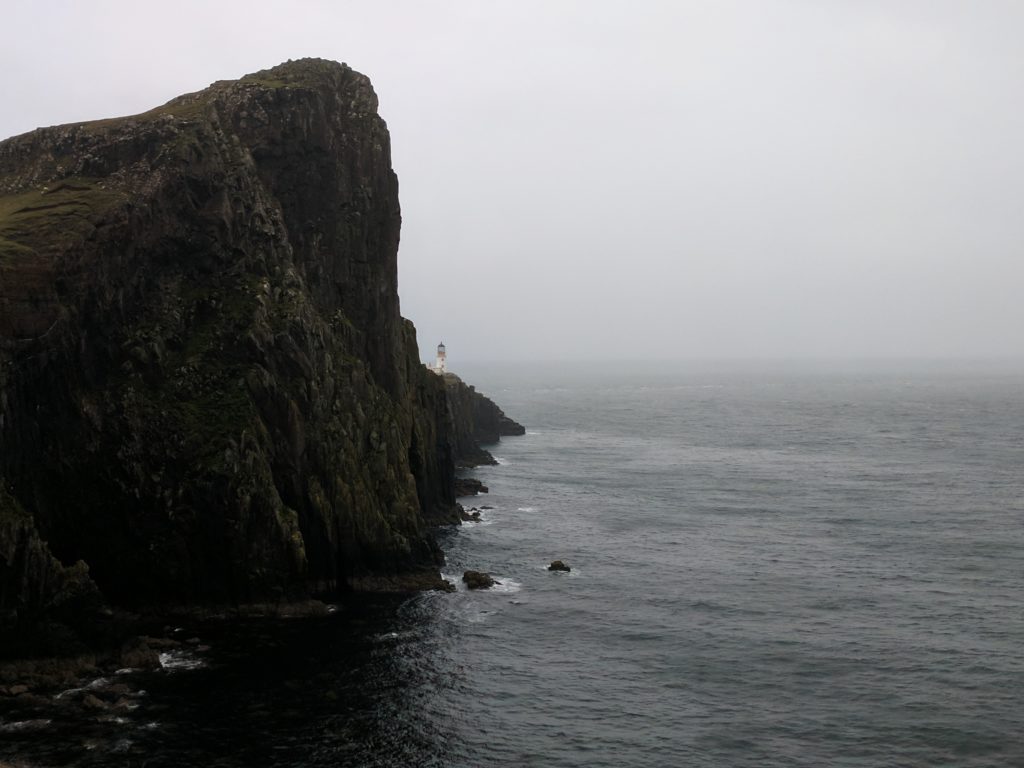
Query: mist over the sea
point(587, 180)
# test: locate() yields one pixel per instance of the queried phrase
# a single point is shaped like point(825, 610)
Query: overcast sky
point(588, 180)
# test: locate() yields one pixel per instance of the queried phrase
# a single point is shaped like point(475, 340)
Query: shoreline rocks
point(469, 486)
point(470, 516)
point(478, 580)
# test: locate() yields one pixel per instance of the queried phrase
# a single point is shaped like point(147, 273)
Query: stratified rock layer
point(207, 391)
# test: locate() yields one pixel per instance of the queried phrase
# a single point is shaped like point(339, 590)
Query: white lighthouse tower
point(441, 364)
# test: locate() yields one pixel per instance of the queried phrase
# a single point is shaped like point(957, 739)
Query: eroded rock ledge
point(207, 392)
point(477, 421)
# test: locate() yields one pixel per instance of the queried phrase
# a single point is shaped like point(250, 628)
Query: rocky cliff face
point(207, 391)
point(475, 420)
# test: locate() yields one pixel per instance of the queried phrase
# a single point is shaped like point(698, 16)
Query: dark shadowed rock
point(478, 580)
point(470, 516)
point(92, 702)
point(476, 419)
point(558, 565)
point(207, 392)
point(468, 486)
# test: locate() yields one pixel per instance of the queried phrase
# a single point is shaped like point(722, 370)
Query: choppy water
point(770, 568)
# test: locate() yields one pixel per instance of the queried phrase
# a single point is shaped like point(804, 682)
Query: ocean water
point(771, 566)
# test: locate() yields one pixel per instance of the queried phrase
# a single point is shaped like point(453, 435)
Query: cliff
point(476, 420)
point(207, 392)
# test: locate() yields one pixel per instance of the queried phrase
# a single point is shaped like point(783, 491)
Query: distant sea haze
point(770, 567)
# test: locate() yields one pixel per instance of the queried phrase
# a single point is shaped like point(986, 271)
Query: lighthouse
point(440, 365)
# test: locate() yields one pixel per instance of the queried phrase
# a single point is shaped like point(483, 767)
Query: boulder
point(558, 565)
point(479, 580)
point(91, 702)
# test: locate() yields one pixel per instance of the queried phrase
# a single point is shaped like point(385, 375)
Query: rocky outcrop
point(478, 580)
point(34, 586)
point(469, 486)
point(475, 420)
point(207, 392)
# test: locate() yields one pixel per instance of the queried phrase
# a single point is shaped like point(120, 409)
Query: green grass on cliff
point(190, 106)
point(55, 216)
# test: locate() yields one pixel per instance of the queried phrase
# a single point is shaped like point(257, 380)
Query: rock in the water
point(558, 565)
point(472, 516)
point(92, 702)
point(479, 580)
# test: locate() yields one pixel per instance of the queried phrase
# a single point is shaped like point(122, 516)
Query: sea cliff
point(207, 391)
point(476, 421)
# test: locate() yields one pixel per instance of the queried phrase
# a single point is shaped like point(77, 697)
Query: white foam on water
point(506, 586)
point(502, 462)
point(97, 683)
point(456, 579)
point(526, 509)
point(174, 661)
point(24, 725)
point(115, 719)
point(389, 637)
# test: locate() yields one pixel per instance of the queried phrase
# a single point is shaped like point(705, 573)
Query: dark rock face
point(478, 580)
point(34, 585)
point(475, 419)
point(469, 486)
point(207, 391)
point(558, 565)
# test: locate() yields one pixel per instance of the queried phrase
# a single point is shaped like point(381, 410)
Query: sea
point(772, 564)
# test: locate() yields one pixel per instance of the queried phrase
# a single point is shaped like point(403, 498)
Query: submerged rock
point(478, 580)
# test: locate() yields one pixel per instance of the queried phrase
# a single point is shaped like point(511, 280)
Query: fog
point(616, 181)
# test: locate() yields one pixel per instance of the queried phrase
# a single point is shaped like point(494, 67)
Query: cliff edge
point(207, 392)
point(476, 420)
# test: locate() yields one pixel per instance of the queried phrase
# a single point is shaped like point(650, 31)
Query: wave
point(174, 661)
point(24, 725)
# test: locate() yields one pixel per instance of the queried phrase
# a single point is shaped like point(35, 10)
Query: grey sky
point(636, 179)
